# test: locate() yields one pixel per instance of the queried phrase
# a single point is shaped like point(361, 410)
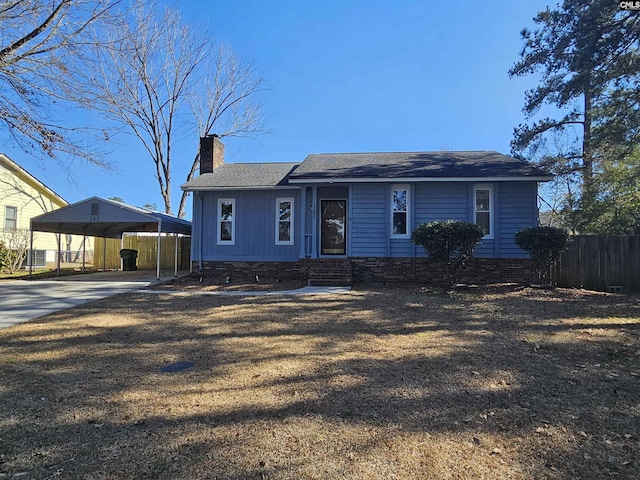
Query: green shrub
point(544, 244)
point(450, 242)
point(4, 256)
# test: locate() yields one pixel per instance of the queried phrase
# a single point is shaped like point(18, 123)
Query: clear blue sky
point(347, 76)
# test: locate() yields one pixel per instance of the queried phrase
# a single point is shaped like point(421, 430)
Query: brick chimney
point(211, 153)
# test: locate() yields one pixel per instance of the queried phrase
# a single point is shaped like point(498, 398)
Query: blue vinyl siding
point(518, 210)
point(369, 220)
point(440, 201)
point(255, 226)
point(369, 224)
point(514, 207)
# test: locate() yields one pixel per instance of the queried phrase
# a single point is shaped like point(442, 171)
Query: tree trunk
point(183, 198)
point(588, 196)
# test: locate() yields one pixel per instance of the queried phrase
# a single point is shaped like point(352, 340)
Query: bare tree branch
point(162, 74)
point(43, 50)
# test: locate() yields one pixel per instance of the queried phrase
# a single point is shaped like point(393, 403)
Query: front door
point(333, 227)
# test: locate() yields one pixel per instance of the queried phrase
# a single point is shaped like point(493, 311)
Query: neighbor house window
point(226, 221)
point(284, 221)
point(39, 256)
point(10, 218)
point(483, 208)
point(400, 211)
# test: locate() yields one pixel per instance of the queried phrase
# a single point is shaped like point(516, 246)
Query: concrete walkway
point(267, 293)
point(23, 300)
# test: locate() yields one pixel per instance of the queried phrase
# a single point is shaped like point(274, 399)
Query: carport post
point(175, 273)
point(104, 254)
point(58, 262)
point(30, 252)
point(84, 252)
point(121, 247)
point(158, 257)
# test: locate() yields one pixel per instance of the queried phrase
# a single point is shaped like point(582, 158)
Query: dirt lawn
point(404, 383)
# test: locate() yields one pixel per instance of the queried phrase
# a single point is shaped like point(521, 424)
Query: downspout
point(303, 222)
point(200, 236)
point(349, 219)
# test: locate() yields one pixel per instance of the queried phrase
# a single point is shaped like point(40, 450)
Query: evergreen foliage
point(4, 256)
point(450, 242)
point(544, 244)
point(587, 53)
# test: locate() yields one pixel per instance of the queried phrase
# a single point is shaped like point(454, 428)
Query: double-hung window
point(483, 208)
point(284, 221)
point(226, 221)
point(10, 218)
point(400, 211)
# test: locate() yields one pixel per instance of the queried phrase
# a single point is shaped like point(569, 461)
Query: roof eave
point(252, 187)
point(26, 177)
point(537, 178)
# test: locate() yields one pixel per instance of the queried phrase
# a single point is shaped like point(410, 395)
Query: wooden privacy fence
point(147, 247)
point(600, 262)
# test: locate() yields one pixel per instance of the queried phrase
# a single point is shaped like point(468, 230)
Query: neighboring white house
point(22, 197)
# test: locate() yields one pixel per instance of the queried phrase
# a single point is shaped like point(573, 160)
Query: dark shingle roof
point(444, 164)
point(243, 175)
point(375, 166)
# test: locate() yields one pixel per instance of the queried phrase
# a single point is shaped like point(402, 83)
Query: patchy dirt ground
point(493, 383)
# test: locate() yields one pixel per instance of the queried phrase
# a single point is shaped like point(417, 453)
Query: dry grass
point(501, 383)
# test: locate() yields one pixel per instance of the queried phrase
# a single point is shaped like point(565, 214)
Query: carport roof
point(97, 217)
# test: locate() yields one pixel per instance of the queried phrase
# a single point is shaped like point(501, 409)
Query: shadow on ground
point(402, 383)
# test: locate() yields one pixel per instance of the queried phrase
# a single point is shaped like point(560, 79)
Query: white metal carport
point(97, 217)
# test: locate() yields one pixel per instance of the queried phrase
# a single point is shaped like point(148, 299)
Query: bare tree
point(227, 104)
point(148, 80)
point(42, 51)
point(16, 241)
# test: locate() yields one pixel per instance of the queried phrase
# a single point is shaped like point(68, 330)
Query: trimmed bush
point(544, 244)
point(450, 242)
point(4, 256)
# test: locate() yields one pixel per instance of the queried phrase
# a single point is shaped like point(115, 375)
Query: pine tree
point(588, 55)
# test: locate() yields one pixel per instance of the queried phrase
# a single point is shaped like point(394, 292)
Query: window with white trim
point(284, 221)
point(10, 218)
point(400, 211)
point(226, 221)
point(482, 201)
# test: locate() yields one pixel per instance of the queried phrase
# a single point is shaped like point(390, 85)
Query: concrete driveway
point(23, 300)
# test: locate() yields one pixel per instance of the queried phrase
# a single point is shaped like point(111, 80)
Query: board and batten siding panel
point(518, 210)
point(440, 201)
point(255, 218)
point(369, 232)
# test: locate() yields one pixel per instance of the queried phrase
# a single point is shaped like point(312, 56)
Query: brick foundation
point(342, 271)
point(240, 272)
point(425, 271)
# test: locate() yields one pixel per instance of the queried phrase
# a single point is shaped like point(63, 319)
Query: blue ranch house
point(338, 217)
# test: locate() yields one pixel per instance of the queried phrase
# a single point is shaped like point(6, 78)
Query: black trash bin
point(129, 259)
